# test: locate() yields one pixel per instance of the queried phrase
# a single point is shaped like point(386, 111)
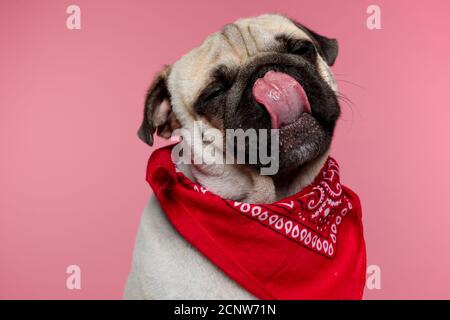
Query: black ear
point(328, 48)
point(158, 113)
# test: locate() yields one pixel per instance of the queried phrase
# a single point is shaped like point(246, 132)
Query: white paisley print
point(310, 218)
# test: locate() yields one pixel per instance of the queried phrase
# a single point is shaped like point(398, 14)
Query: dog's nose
point(282, 96)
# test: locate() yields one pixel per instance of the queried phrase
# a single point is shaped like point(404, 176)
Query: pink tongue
point(283, 97)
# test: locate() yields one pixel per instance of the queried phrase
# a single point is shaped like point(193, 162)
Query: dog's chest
point(165, 266)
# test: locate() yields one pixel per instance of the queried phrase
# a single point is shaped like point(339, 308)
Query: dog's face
point(263, 73)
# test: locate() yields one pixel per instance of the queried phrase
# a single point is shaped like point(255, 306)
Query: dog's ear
point(158, 115)
point(328, 48)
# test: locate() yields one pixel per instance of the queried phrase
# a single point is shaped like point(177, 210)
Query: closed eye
point(213, 90)
point(222, 80)
point(301, 47)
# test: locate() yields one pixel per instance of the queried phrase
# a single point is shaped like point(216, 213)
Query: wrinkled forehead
point(231, 47)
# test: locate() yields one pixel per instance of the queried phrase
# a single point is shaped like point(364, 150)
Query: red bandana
point(306, 246)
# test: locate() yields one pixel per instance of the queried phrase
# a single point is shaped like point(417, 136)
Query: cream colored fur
point(165, 266)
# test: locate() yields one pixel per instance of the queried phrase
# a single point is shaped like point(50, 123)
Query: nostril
point(263, 113)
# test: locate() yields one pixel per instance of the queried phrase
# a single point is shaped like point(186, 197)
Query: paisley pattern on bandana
point(310, 218)
point(273, 250)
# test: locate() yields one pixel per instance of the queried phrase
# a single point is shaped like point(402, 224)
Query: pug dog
point(217, 84)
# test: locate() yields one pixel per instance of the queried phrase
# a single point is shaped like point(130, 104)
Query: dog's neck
point(240, 183)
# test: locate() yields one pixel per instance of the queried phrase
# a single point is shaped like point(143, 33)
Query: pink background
point(72, 169)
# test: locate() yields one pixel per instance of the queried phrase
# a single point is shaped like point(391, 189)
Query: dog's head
point(265, 72)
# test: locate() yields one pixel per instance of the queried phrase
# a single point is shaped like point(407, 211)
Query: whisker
point(350, 82)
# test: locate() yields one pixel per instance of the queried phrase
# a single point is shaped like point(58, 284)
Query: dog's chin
point(301, 142)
